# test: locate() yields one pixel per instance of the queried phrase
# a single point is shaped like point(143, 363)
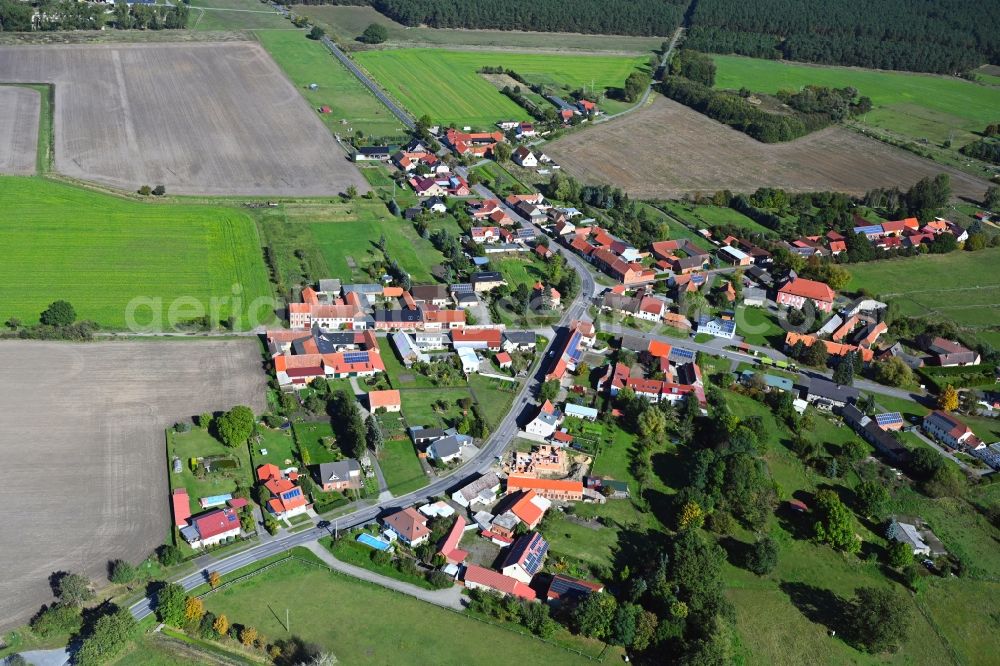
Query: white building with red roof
point(449, 547)
point(408, 525)
point(212, 527)
point(477, 577)
point(796, 292)
point(287, 499)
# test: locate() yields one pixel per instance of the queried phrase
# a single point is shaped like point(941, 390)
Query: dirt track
point(82, 450)
point(668, 150)
point(18, 129)
point(199, 118)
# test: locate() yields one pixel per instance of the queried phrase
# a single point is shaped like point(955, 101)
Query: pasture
point(235, 15)
point(19, 115)
point(446, 86)
point(916, 105)
point(666, 150)
point(702, 217)
point(100, 252)
point(83, 438)
point(369, 624)
point(353, 107)
point(346, 23)
point(221, 119)
point(963, 287)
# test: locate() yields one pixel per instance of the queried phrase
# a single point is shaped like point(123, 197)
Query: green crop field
point(963, 287)
point(346, 23)
point(100, 252)
point(446, 86)
point(915, 105)
point(306, 61)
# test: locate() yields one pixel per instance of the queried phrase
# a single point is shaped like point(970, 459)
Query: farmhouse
point(407, 525)
point(581, 336)
point(369, 153)
point(545, 422)
point(797, 291)
point(486, 281)
point(341, 475)
point(530, 508)
point(555, 490)
point(479, 144)
point(479, 338)
point(525, 158)
point(825, 394)
point(734, 257)
point(717, 327)
point(564, 588)
point(430, 294)
point(947, 353)
point(884, 442)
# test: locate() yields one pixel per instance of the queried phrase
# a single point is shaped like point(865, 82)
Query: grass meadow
point(915, 105)
point(367, 624)
point(235, 15)
point(346, 23)
point(99, 252)
point(446, 86)
point(961, 286)
point(306, 61)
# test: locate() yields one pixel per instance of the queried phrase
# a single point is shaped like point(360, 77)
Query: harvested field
point(18, 129)
point(668, 150)
point(198, 118)
point(83, 453)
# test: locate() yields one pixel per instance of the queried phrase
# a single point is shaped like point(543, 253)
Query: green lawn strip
point(918, 105)
point(523, 268)
point(196, 444)
point(445, 84)
point(280, 446)
point(419, 409)
point(369, 624)
point(677, 230)
point(401, 468)
point(702, 216)
point(307, 61)
point(101, 252)
point(399, 375)
point(43, 152)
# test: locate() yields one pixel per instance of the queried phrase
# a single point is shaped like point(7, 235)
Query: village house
point(826, 395)
point(483, 491)
point(951, 432)
point(388, 400)
point(211, 528)
point(717, 327)
point(287, 499)
point(449, 549)
point(430, 294)
point(884, 442)
point(477, 144)
point(545, 422)
point(580, 337)
point(407, 525)
point(525, 158)
point(797, 291)
point(530, 508)
point(948, 353)
point(526, 557)
point(340, 476)
point(448, 448)
point(477, 577)
point(519, 341)
point(477, 338)
point(486, 281)
point(566, 589)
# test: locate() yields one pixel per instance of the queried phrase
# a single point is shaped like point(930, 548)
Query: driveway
point(447, 598)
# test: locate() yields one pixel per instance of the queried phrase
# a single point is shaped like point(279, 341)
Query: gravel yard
point(83, 454)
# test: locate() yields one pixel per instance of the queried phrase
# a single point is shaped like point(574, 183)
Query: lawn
point(346, 23)
point(494, 397)
point(401, 468)
point(963, 287)
point(102, 253)
point(369, 624)
point(280, 446)
point(759, 326)
point(197, 444)
point(521, 269)
point(307, 61)
point(419, 410)
point(310, 437)
point(235, 15)
point(916, 105)
point(446, 86)
point(702, 216)
point(678, 230)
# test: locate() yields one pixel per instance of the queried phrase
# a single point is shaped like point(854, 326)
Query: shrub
point(59, 313)
point(57, 619)
point(121, 572)
point(440, 580)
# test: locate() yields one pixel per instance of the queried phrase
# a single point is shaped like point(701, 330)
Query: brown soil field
point(667, 150)
point(19, 109)
point(198, 118)
point(83, 453)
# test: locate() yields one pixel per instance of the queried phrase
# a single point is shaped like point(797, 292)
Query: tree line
point(16, 16)
point(946, 36)
point(609, 17)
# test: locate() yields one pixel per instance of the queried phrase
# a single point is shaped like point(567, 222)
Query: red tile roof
point(817, 291)
point(497, 581)
point(216, 522)
point(449, 548)
point(516, 482)
point(525, 509)
point(409, 523)
point(388, 398)
point(181, 505)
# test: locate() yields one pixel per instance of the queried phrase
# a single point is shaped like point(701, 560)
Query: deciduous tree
point(881, 618)
point(948, 400)
point(235, 426)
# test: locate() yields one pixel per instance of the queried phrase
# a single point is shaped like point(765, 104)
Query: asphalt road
point(403, 116)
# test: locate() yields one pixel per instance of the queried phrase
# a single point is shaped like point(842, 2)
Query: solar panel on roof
point(680, 353)
point(356, 357)
point(890, 417)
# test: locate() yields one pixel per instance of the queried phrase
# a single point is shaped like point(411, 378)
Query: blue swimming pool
point(374, 542)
